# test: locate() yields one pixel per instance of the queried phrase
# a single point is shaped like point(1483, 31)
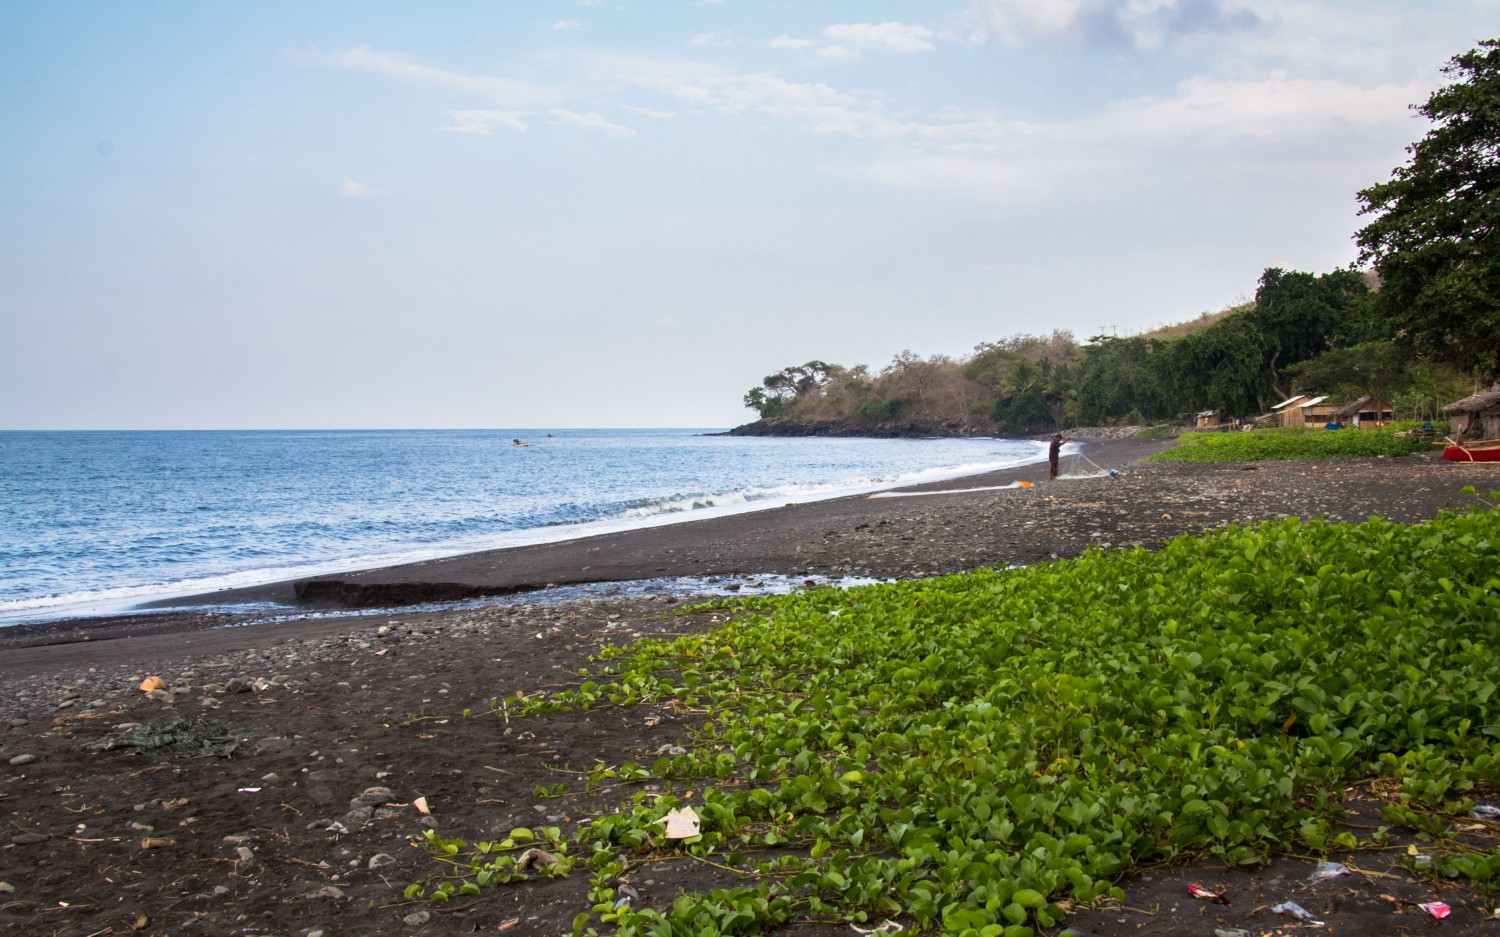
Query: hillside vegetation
point(1303, 333)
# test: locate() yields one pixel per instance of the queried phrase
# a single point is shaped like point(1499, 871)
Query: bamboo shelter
point(1364, 410)
point(1477, 416)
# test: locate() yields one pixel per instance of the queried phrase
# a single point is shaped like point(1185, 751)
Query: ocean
point(97, 522)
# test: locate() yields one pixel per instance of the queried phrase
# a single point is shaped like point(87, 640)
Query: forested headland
point(1413, 325)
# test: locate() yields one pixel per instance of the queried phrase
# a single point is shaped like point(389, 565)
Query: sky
point(611, 213)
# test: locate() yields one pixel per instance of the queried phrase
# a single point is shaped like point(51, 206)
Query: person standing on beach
point(1052, 452)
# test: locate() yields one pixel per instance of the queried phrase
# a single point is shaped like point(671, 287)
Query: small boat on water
point(1483, 450)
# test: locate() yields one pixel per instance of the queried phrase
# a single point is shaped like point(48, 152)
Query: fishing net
point(1079, 465)
point(183, 736)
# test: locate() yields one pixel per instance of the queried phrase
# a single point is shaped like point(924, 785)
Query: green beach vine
point(977, 753)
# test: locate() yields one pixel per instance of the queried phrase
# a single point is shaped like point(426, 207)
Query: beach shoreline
point(977, 521)
point(189, 570)
point(686, 546)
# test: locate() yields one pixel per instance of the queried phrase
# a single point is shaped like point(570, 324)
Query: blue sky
point(605, 213)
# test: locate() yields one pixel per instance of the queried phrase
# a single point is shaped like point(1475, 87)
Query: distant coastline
point(843, 429)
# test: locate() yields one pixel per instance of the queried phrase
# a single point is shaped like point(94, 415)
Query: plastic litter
point(625, 894)
point(1231, 932)
point(1485, 812)
point(1203, 894)
point(681, 824)
point(1328, 870)
point(1437, 909)
point(535, 859)
point(1296, 910)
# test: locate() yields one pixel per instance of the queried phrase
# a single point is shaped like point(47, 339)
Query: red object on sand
point(1198, 891)
point(1486, 451)
point(1437, 909)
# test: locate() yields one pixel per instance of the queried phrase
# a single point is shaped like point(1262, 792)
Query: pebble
point(331, 892)
point(372, 795)
point(18, 723)
point(245, 853)
point(360, 814)
point(417, 919)
point(29, 839)
point(6, 888)
point(221, 890)
point(22, 760)
point(380, 860)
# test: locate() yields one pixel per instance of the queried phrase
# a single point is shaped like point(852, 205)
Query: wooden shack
point(1477, 416)
point(1364, 412)
point(1278, 414)
point(1305, 411)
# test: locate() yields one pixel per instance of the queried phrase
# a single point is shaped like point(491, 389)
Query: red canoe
point(1487, 450)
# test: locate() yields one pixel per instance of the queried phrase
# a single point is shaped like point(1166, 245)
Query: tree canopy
point(1435, 237)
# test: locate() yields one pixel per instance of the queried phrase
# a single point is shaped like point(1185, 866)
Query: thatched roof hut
point(1477, 415)
point(1363, 410)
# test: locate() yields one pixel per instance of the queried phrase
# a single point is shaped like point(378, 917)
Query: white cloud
point(843, 41)
point(882, 37)
point(648, 112)
point(1216, 125)
point(1142, 24)
point(1016, 20)
point(396, 65)
point(1212, 122)
point(567, 24)
point(352, 189)
point(817, 108)
point(590, 122)
point(788, 42)
point(481, 122)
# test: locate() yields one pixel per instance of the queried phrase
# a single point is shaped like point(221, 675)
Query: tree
point(1303, 315)
point(1435, 237)
point(1374, 369)
point(1222, 367)
point(1118, 380)
point(787, 385)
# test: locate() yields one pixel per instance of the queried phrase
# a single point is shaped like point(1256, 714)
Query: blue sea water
point(96, 522)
